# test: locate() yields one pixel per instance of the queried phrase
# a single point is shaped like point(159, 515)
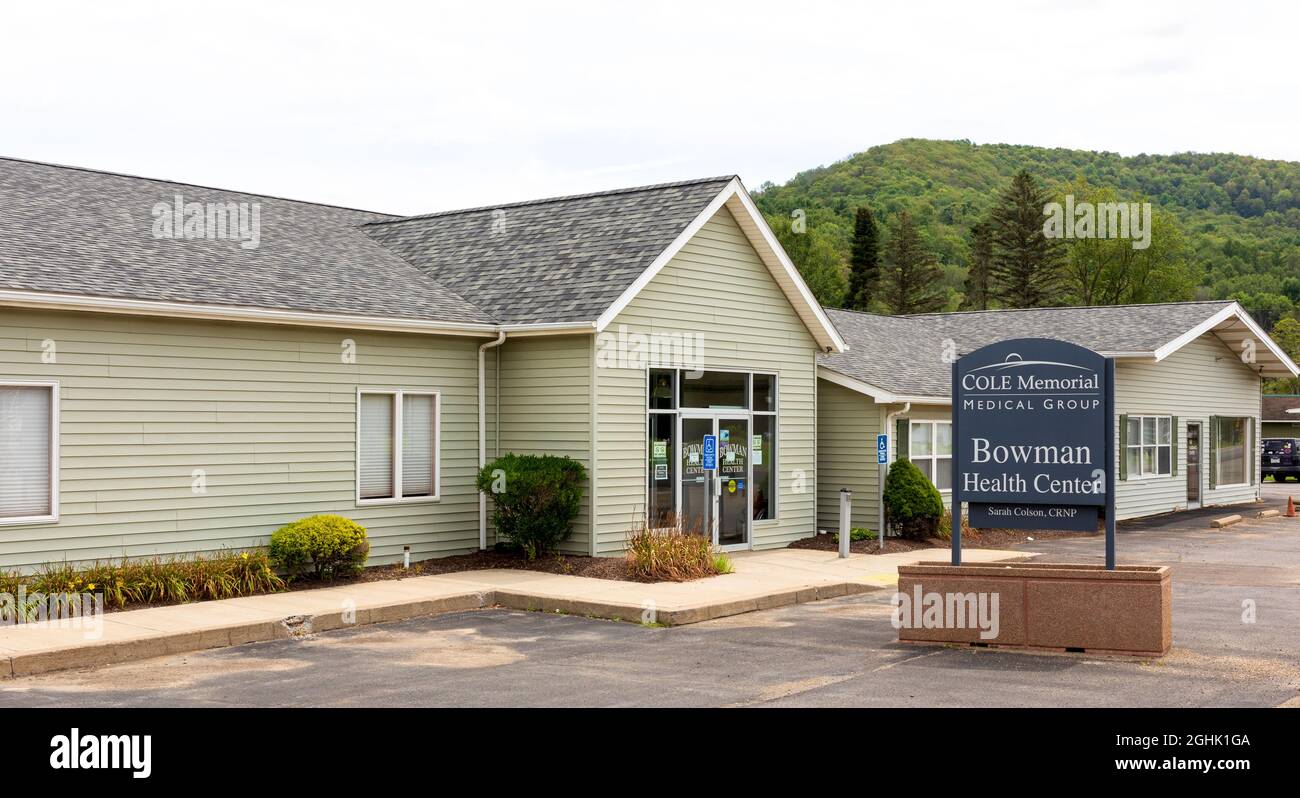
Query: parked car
point(1281, 459)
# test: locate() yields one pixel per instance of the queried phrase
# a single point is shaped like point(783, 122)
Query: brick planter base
point(1057, 607)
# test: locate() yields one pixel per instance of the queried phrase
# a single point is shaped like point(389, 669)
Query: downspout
point(880, 488)
point(482, 431)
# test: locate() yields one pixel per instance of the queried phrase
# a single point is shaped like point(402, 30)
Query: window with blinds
point(397, 446)
point(28, 418)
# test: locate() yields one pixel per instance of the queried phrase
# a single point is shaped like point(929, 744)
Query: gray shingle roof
point(76, 231)
point(905, 354)
point(556, 260)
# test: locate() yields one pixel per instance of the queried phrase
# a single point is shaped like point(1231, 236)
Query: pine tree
point(864, 262)
point(912, 275)
point(1027, 265)
point(979, 274)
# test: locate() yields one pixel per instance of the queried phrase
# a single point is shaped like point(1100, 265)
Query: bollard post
point(846, 515)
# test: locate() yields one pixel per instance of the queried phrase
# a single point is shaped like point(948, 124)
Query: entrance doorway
point(1193, 465)
point(715, 503)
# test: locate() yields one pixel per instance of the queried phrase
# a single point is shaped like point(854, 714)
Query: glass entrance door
point(715, 503)
point(697, 489)
point(733, 482)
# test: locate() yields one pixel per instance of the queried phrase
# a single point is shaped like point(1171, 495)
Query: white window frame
point(53, 515)
point(1128, 444)
point(774, 501)
point(397, 498)
point(1247, 451)
point(934, 457)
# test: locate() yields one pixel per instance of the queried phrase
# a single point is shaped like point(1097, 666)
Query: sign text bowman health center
point(1033, 423)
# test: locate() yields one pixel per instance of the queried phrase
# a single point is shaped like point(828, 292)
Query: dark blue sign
point(1074, 517)
point(1033, 426)
point(1032, 419)
point(882, 449)
point(710, 452)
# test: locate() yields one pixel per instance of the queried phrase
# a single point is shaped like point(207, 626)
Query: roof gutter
point(238, 313)
point(482, 432)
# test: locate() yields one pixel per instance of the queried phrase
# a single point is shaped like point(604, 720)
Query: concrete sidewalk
point(761, 580)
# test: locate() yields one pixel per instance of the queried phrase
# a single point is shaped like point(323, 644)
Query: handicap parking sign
point(882, 448)
point(710, 452)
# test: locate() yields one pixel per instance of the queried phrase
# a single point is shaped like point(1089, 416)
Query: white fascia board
point(1231, 311)
point(1130, 355)
point(828, 337)
point(186, 310)
point(832, 335)
point(880, 395)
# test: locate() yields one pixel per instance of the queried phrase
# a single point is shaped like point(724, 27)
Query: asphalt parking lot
point(832, 653)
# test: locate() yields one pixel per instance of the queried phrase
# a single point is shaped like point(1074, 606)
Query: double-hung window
point(930, 449)
point(29, 456)
point(1148, 449)
point(397, 446)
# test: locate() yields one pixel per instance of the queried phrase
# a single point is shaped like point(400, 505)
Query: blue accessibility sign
point(710, 452)
point(882, 448)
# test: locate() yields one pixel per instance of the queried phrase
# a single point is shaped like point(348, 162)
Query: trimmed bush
point(535, 499)
point(330, 545)
point(911, 502)
point(856, 534)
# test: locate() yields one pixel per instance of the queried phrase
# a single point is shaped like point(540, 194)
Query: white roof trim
point(879, 394)
point(778, 263)
point(1234, 310)
point(186, 310)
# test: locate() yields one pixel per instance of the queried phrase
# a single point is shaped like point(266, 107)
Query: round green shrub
point(330, 545)
point(911, 501)
point(535, 499)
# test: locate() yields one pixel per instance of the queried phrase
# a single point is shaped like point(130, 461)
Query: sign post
point(882, 465)
point(1110, 463)
point(1033, 426)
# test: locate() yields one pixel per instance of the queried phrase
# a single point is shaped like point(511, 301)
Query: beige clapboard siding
point(716, 285)
point(545, 398)
point(1203, 379)
point(847, 425)
point(268, 412)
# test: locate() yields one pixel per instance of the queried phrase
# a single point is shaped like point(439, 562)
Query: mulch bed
point(1009, 538)
point(826, 542)
point(568, 564)
point(615, 568)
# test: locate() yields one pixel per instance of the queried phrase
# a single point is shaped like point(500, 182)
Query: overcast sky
point(411, 108)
